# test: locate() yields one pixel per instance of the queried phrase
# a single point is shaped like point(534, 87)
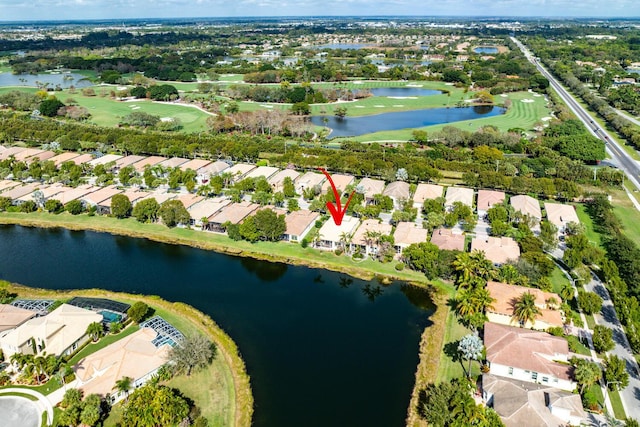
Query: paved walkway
point(42, 403)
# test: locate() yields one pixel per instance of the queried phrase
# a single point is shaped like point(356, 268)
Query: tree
point(548, 235)
point(586, 373)
point(193, 352)
point(269, 224)
point(525, 309)
point(151, 406)
point(340, 112)
point(123, 385)
point(602, 338)
point(120, 206)
point(53, 206)
point(138, 311)
point(146, 210)
point(615, 372)
point(248, 229)
point(589, 302)
point(91, 410)
point(50, 106)
point(71, 397)
point(470, 347)
point(173, 213)
point(74, 207)
point(95, 330)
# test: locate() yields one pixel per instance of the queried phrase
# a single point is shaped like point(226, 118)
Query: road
point(619, 157)
point(630, 395)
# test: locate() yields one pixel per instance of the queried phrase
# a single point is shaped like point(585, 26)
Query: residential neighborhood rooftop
point(459, 194)
point(505, 296)
point(560, 215)
point(526, 205)
point(427, 191)
point(298, 221)
point(341, 182)
point(446, 239)
point(11, 316)
point(408, 233)
point(496, 249)
point(372, 226)
point(234, 213)
point(488, 198)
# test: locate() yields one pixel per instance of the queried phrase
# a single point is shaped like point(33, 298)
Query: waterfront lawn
point(451, 366)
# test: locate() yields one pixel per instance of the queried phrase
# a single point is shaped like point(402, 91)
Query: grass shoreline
point(432, 338)
point(241, 402)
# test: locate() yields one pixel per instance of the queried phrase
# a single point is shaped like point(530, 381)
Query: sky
point(19, 10)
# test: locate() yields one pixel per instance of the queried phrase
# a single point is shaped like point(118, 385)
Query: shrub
point(399, 266)
point(74, 207)
point(556, 331)
point(304, 243)
point(339, 251)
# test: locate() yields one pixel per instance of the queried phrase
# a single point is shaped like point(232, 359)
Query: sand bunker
point(527, 100)
point(402, 97)
point(398, 106)
point(545, 119)
point(413, 85)
point(266, 106)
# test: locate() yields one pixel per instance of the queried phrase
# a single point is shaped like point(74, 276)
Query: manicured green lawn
point(449, 366)
point(577, 346)
point(586, 220)
point(591, 323)
point(597, 391)
point(558, 280)
point(616, 403)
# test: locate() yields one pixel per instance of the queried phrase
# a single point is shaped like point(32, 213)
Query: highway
point(618, 156)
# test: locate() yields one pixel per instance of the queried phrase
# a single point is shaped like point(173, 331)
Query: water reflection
point(266, 271)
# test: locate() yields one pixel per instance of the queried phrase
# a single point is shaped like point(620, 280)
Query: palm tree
point(123, 385)
point(508, 274)
point(39, 365)
point(471, 348)
point(464, 265)
point(95, 330)
point(525, 309)
point(567, 292)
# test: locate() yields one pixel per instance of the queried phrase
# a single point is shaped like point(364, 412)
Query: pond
point(65, 80)
point(403, 91)
point(354, 126)
point(485, 49)
point(322, 349)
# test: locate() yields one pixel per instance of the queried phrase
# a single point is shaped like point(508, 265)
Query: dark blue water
point(322, 349)
point(77, 80)
point(354, 126)
point(403, 91)
point(485, 49)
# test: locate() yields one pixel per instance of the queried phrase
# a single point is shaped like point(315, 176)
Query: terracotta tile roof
point(371, 187)
point(194, 164)
point(207, 208)
point(102, 194)
point(234, 213)
point(527, 205)
point(309, 180)
point(189, 200)
point(445, 239)
point(128, 161)
point(370, 225)
point(82, 159)
point(173, 162)
point(298, 221)
point(64, 157)
point(427, 191)
point(505, 295)
point(26, 153)
point(11, 151)
point(107, 158)
point(459, 194)
point(7, 184)
point(277, 180)
point(522, 403)
point(332, 232)
point(559, 214)
point(488, 198)
point(340, 181)
point(527, 349)
point(496, 249)
point(239, 170)
point(262, 171)
point(214, 168)
point(398, 190)
point(408, 233)
point(11, 316)
point(148, 161)
point(74, 193)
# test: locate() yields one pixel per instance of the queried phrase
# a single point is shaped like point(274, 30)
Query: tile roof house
point(277, 180)
point(193, 164)
point(446, 239)
point(103, 160)
point(7, 184)
point(212, 169)
point(560, 215)
point(11, 317)
point(520, 403)
point(10, 151)
point(488, 198)
point(408, 233)
point(363, 239)
point(299, 223)
point(174, 162)
point(425, 192)
point(134, 196)
point(102, 194)
point(505, 296)
point(309, 180)
point(234, 213)
point(530, 356)
point(74, 193)
point(496, 249)
point(82, 159)
point(340, 181)
point(331, 236)
point(134, 356)
point(148, 161)
point(527, 205)
point(64, 157)
point(262, 172)
point(398, 191)
point(459, 194)
point(239, 171)
point(206, 209)
point(371, 187)
point(128, 161)
point(59, 333)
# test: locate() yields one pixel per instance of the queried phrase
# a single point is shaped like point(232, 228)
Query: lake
point(485, 49)
point(64, 80)
point(354, 126)
point(322, 349)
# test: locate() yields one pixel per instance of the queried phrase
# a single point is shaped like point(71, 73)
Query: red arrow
point(336, 211)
